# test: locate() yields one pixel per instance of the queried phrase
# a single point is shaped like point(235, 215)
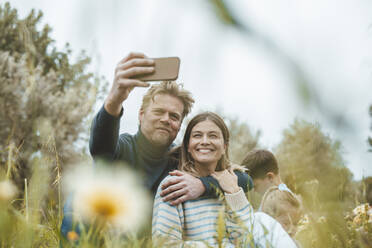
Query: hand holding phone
point(132, 71)
point(134, 64)
point(166, 69)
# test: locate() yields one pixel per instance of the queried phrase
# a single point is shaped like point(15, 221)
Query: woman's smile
point(205, 150)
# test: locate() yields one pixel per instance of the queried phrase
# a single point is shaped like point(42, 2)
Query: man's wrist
point(211, 186)
point(203, 189)
point(113, 108)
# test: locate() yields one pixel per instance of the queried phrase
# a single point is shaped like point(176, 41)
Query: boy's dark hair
point(260, 162)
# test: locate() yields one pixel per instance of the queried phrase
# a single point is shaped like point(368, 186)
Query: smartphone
point(166, 69)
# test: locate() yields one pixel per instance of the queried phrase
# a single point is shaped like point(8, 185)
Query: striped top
point(194, 223)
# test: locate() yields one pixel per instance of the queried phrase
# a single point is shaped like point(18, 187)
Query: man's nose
point(165, 118)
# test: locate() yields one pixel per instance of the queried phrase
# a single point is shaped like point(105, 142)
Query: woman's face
point(206, 144)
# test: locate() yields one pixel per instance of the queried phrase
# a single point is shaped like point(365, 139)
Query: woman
point(204, 151)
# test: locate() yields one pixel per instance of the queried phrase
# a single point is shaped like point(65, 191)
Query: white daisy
point(111, 196)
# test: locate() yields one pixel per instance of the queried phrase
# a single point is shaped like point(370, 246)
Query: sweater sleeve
point(211, 184)
point(104, 135)
point(238, 217)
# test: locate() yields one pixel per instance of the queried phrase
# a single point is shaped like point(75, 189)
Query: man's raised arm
point(104, 135)
point(105, 127)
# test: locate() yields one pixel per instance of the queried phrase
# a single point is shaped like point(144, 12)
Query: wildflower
point(111, 197)
point(361, 209)
point(303, 223)
point(7, 190)
point(72, 236)
point(362, 214)
point(321, 219)
point(304, 220)
point(357, 220)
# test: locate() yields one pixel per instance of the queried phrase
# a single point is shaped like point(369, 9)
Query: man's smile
point(163, 129)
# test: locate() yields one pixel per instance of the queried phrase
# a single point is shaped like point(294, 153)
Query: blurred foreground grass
point(30, 217)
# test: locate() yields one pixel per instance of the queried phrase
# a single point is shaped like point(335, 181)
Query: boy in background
point(278, 200)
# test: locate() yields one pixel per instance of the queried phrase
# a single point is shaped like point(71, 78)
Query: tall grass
point(32, 215)
point(32, 218)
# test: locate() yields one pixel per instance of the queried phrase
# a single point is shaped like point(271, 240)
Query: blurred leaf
point(302, 83)
point(224, 13)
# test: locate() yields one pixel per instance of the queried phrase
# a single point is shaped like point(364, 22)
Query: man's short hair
point(259, 162)
point(169, 88)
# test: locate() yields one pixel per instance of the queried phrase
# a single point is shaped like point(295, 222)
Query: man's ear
point(140, 115)
point(270, 176)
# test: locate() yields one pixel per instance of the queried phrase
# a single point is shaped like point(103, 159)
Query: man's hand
point(182, 188)
point(227, 180)
point(133, 65)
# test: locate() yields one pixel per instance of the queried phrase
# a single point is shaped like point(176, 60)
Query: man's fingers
point(176, 173)
point(132, 55)
point(170, 189)
point(217, 174)
point(131, 83)
point(171, 182)
point(135, 63)
point(179, 200)
point(135, 71)
point(174, 195)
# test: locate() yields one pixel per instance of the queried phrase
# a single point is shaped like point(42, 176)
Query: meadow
point(46, 107)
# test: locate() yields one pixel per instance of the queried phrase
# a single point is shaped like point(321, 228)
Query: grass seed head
point(7, 190)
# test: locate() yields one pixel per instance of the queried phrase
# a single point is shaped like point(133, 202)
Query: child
point(278, 200)
point(284, 206)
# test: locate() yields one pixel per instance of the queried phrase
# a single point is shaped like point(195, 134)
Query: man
point(163, 109)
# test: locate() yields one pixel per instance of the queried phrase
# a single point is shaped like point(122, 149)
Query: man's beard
point(161, 139)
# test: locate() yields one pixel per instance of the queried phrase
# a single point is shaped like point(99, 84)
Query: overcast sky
point(330, 41)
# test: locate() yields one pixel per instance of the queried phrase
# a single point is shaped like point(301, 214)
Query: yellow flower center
point(72, 236)
point(105, 205)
